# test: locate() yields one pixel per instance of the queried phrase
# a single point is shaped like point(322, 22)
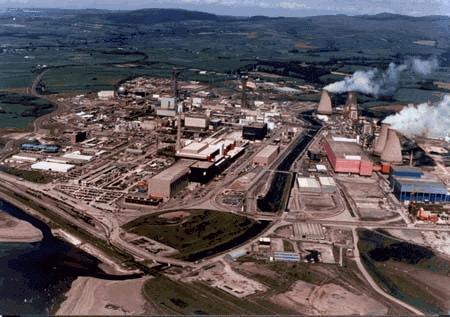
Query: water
point(271, 202)
point(35, 276)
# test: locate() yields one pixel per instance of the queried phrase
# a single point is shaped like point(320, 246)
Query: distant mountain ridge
point(161, 15)
point(152, 16)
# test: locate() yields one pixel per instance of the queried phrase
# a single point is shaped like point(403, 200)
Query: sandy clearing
point(15, 230)
point(328, 299)
point(175, 215)
point(92, 296)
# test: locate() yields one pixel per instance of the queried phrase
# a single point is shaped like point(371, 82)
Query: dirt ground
point(223, 277)
point(92, 296)
point(175, 215)
point(15, 230)
point(328, 299)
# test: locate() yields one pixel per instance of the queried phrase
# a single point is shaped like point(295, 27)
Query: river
point(35, 276)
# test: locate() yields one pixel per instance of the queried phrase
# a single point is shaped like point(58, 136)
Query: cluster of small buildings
point(199, 162)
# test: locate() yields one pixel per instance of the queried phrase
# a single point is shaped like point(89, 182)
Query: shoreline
point(94, 296)
point(107, 264)
point(13, 230)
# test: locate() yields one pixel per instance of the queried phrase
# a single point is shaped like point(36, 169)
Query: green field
point(198, 299)
point(31, 176)
point(406, 271)
point(202, 233)
point(19, 111)
point(89, 51)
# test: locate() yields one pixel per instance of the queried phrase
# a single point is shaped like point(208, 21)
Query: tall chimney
point(325, 106)
point(392, 152)
point(351, 106)
point(244, 80)
point(381, 142)
point(175, 75)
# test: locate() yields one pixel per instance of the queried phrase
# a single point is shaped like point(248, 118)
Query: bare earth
point(15, 230)
point(327, 299)
point(92, 296)
point(175, 215)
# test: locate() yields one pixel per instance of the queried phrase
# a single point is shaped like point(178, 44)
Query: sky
point(255, 7)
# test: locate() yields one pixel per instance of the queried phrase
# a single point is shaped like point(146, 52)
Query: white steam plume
point(375, 82)
point(428, 120)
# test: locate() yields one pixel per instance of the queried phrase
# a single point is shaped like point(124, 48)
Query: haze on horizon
point(254, 7)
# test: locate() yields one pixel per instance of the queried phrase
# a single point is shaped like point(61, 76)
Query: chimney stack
point(351, 106)
point(325, 106)
point(381, 142)
point(392, 152)
point(244, 80)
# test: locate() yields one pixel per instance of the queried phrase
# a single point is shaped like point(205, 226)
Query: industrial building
point(170, 181)
point(267, 155)
point(168, 102)
point(327, 184)
point(405, 171)
point(308, 184)
point(285, 257)
point(52, 167)
point(254, 131)
point(196, 122)
point(35, 147)
point(79, 136)
point(346, 156)
point(77, 156)
point(202, 172)
point(411, 184)
point(209, 149)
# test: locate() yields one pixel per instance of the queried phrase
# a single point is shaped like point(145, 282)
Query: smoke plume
point(428, 120)
point(382, 83)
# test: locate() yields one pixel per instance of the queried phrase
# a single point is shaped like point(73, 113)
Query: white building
point(52, 167)
point(106, 95)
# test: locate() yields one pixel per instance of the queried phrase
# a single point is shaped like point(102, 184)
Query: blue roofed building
point(36, 147)
point(419, 189)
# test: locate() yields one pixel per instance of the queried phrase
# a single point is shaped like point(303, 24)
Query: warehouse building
point(254, 131)
point(405, 171)
point(36, 147)
point(411, 184)
point(328, 185)
point(267, 155)
point(346, 156)
point(285, 257)
point(308, 184)
point(196, 122)
point(169, 182)
point(52, 167)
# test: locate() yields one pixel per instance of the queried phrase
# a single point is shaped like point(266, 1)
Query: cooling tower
point(392, 152)
point(381, 142)
point(325, 106)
